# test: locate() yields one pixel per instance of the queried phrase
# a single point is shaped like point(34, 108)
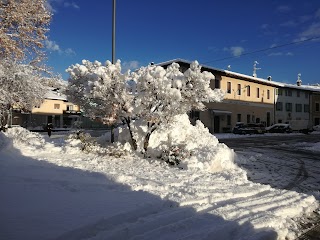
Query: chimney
point(299, 81)
point(269, 78)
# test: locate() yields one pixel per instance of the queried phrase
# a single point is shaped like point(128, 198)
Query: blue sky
point(283, 36)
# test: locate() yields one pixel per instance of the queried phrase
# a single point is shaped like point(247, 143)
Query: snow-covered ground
point(50, 189)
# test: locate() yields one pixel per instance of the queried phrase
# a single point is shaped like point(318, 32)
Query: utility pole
point(114, 31)
point(113, 48)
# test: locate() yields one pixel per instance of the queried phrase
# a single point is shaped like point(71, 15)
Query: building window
point(289, 107)
point(216, 83)
point(288, 92)
point(239, 89)
point(306, 108)
point(228, 120)
point(248, 118)
point(317, 121)
point(228, 87)
point(317, 107)
point(258, 92)
point(69, 107)
point(238, 117)
point(248, 91)
point(56, 106)
point(306, 95)
point(279, 92)
point(298, 93)
point(298, 107)
point(268, 94)
point(195, 114)
point(279, 106)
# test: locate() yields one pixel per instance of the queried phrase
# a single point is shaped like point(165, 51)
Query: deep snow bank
point(204, 152)
point(221, 203)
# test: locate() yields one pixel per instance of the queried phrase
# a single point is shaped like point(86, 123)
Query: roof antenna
point(299, 81)
point(255, 69)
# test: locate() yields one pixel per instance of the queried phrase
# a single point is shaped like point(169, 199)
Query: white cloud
point(317, 13)
point(52, 46)
point(70, 52)
point(131, 65)
point(312, 31)
point(264, 26)
point(290, 23)
point(71, 4)
point(235, 51)
point(52, 5)
point(283, 9)
point(276, 54)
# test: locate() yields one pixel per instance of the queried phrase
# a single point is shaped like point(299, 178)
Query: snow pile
point(202, 151)
point(314, 147)
point(36, 142)
point(3, 140)
point(45, 195)
point(23, 136)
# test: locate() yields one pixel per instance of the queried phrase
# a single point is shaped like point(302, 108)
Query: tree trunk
point(134, 142)
point(147, 138)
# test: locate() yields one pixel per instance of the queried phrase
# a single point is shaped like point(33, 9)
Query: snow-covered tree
point(102, 91)
point(165, 93)
point(24, 24)
point(20, 87)
point(154, 96)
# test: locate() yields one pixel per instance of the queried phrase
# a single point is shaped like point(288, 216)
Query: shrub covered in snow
point(175, 154)
point(190, 146)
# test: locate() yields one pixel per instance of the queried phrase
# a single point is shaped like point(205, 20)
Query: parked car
point(316, 128)
point(279, 128)
point(250, 128)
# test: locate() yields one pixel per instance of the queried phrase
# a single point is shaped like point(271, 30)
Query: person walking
point(49, 129)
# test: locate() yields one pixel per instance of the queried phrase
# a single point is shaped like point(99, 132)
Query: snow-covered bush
point(175, 155)
point(24, 136)
point(82, 140)
point(199, 149)
point(152, 94)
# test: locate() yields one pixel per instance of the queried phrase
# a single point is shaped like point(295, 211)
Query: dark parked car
point(250, 128)
point(279, 128)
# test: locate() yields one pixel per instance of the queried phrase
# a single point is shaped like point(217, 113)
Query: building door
point(216, 124)
point(49, 119)
point(268, 119)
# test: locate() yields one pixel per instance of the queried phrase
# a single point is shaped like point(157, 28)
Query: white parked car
point(316, 128)
point(279, 128)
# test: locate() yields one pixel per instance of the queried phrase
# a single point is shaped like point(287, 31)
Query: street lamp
point(113, 48)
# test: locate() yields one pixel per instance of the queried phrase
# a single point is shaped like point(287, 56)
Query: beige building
point(247, 99)
point(254, 100)
point(55, 109)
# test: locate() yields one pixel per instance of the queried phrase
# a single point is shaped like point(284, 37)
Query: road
point(285, 155)
point(282, 162)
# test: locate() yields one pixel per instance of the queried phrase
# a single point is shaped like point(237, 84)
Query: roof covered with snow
point(246, 77)
point(55, 93)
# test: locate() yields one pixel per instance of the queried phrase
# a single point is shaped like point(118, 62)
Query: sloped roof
point(247, 77)
point(54, 93)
